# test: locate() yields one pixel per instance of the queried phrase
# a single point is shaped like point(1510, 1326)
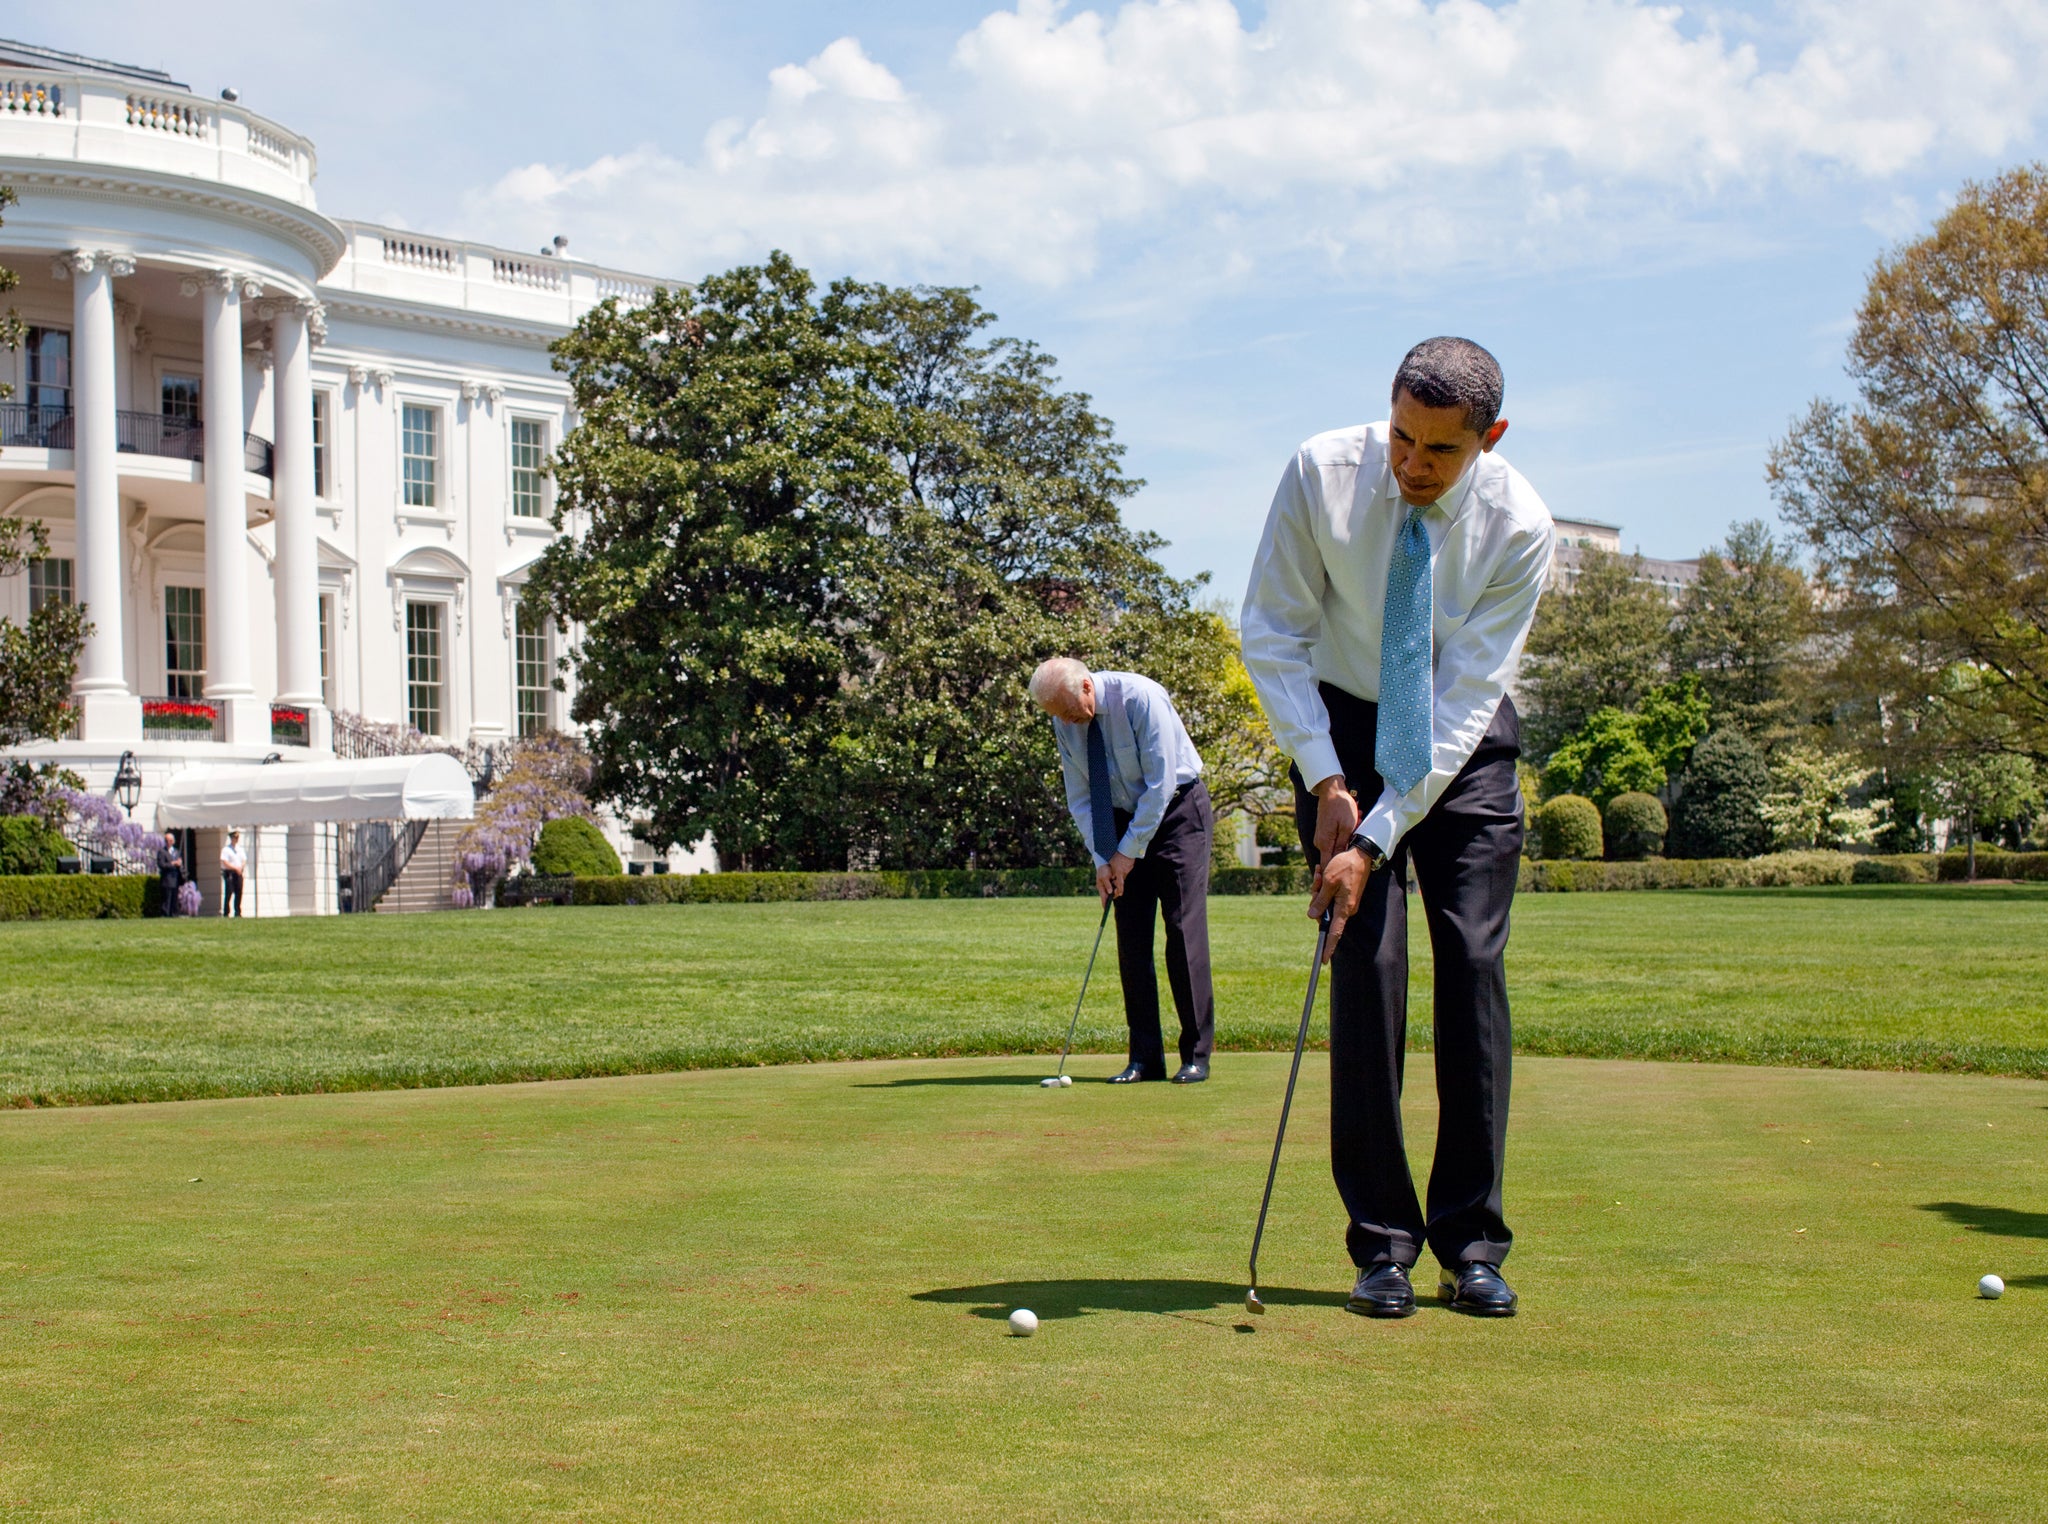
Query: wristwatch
point(1374, 857)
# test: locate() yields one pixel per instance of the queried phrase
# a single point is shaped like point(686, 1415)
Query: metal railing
point(373, 854)
point(56, 428)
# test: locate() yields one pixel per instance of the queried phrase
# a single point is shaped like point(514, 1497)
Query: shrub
point(1570, 825)
point(29, 845)
point(77, 897)
point(1635, 827)
point(1720, 800)
point(572, 845)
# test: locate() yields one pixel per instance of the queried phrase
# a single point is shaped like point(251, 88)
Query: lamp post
point(127, 784)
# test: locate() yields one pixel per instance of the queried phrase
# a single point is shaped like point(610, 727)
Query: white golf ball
point(1991, 1288)
point(1066, 1080)
point(1023, 1322)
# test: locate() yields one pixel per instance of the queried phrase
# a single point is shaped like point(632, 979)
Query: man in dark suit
point(170, 867)
point(1389, 602)
point(1134, 788)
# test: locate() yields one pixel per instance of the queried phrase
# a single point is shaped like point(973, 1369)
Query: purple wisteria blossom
point(544, 779)
point(188, 898)
point(95, 823)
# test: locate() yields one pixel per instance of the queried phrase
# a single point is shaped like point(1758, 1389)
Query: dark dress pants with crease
point(1171, 881)
point(1465, 855)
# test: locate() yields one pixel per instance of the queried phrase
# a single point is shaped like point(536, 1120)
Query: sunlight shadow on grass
point(1079, 1299)
point(2002, 1221)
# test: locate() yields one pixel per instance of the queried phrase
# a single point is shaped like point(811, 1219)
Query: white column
point(108, 710)
point(292, 327)
point(244, 717)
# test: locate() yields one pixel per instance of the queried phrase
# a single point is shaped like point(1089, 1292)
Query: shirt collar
point(1451, 505)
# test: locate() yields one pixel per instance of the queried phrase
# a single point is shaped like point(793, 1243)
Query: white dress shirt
point(233, 860)
point(1319, 588)
point(1150, 757)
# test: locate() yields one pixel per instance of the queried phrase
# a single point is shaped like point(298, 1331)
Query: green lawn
point(1946, 977)
point(770, 1294)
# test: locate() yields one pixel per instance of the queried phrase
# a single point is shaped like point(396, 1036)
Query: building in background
point(294, 466)
point(1575, 537)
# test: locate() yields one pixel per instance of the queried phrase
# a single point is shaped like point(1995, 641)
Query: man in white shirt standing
point(1389, 601)
point(234, 862)
point(1134, 788)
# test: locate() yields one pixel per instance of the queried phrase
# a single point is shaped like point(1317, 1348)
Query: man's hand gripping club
point(1109, 878)
point(1341, 869)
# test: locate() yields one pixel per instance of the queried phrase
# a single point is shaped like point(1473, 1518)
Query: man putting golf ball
point(1393, 589)
point(1134, 788)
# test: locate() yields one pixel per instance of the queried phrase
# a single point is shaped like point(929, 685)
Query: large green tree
point(38, 659)
point(1602, 643)
point(818, 541)
point(1743, 630)
point(1927, 501)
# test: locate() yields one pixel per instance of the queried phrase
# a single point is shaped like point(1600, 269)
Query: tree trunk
point(1970, 845)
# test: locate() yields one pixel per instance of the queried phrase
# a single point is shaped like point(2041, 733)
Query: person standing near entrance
point(170, 868)
point(1390, 598)
point(234, 862)
point(1134, 787)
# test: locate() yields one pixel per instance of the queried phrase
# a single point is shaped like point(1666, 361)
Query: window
point(529, 461)
point(50, 580)
point(179, 399)
point(420, 452)
point(184, 642)
point(530, 672)
point(320, 414)
point(423, 667)
point(49, 370)
point(327, 649)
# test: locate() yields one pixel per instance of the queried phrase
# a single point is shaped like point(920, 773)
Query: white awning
point(432, 786)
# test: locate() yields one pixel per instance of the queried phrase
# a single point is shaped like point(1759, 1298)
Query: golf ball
point(1066, 1080)
point(1991, 1288)
point(1023, 1322)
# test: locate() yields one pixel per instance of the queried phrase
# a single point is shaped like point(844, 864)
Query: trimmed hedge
point(1635, 827)
point(1570, 827)
point(572, 845)
point(78, 897)
point(762, 888)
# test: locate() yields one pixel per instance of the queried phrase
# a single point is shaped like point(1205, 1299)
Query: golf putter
point(1061, 1077)
point(1251, 1297)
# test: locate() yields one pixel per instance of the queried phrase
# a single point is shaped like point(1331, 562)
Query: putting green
point(780, 1293)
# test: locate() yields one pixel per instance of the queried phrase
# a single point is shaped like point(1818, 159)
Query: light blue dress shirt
point(1150, 756)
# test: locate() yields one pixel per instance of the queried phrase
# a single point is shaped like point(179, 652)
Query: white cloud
point(1382, 135)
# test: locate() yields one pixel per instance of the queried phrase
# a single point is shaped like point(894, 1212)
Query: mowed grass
point(770, 1294)
point(1942, 977)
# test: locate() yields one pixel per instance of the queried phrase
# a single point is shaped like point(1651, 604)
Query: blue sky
point(1228, 221)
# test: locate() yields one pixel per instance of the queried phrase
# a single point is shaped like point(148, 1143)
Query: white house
point(292, 465)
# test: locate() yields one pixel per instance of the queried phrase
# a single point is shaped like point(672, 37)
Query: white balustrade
point(418, 254)
point(159, 113)
point(31, 97)
point(632, 292)
point(526, 272)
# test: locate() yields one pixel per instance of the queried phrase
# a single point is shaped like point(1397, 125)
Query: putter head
point(1252, 1303)
point(1047, 1083)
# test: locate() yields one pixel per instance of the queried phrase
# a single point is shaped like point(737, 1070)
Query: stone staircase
point(423, 883)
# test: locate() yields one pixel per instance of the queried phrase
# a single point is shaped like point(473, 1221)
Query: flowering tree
point(546, 777)
point(97, 824)
point(1808, 805)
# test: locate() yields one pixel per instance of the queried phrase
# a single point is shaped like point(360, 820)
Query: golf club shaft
point(1294, 1072)
point(1067, 1046)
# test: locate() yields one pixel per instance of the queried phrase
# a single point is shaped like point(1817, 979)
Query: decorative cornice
point(471, 390)
point(415, 315)
point(312, 232)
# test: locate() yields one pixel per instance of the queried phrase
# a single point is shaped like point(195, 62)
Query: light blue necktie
point(1401, 749)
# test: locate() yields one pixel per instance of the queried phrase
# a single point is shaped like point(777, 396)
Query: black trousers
point(230, 891)
point(1465, 855)
point(167, 884)
point(1172, 879)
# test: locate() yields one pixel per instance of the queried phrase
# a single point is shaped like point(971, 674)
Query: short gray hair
point(1447, 372)
point(1057, 675)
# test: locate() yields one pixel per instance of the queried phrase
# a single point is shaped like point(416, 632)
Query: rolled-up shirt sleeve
point(1281, 621)
point(1150, 808)
point(1472, 673)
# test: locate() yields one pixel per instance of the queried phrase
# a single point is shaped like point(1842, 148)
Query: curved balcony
point(52, 428)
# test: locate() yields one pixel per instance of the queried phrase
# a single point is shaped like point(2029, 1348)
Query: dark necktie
point(1101, 808)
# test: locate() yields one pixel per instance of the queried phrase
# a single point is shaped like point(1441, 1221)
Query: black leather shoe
point(1133, 1075)
point(1383, 1291)
point(1476, 1287)
point(1191, 1074)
